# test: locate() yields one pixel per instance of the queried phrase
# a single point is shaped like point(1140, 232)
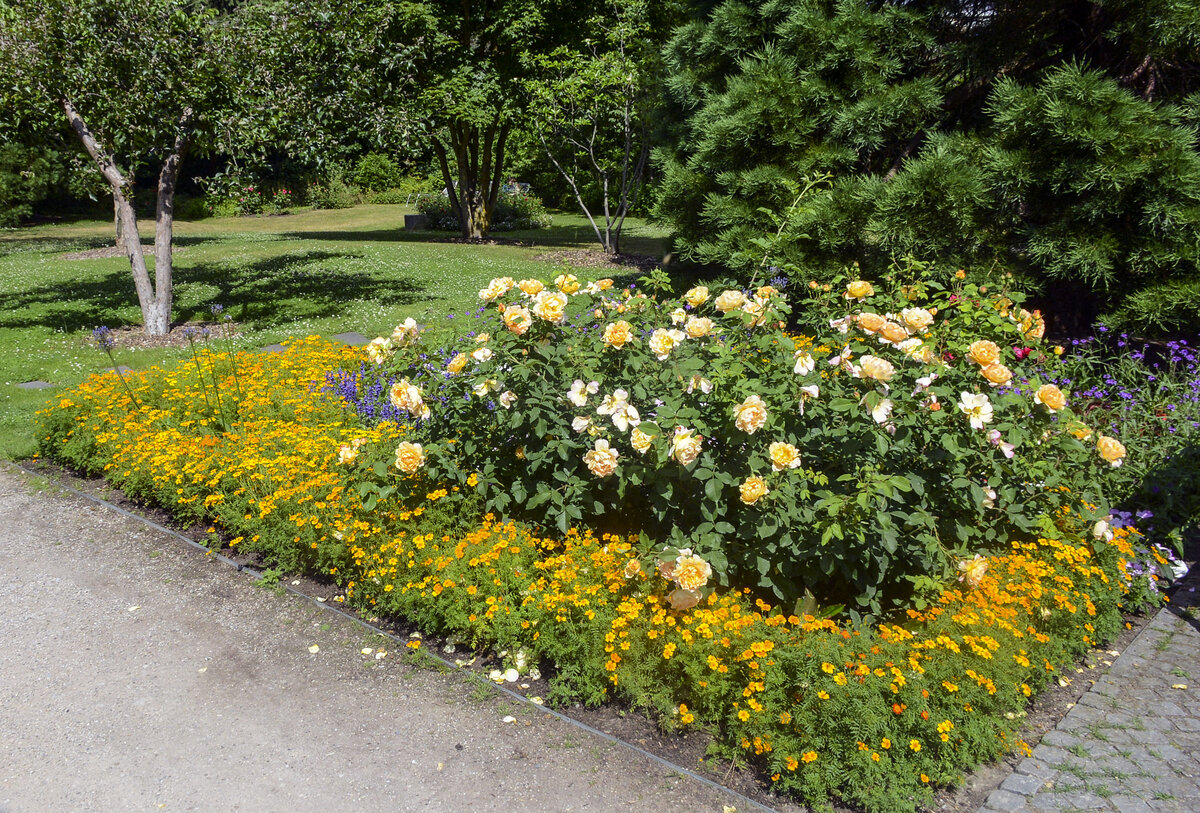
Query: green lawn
point(314, 272)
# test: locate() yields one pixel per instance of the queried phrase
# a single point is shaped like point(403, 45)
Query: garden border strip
point(367, 625)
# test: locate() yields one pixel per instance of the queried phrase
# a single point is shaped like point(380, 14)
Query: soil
point(110, 251)
point(132, 336)
point(689, 749)
point(594, 258)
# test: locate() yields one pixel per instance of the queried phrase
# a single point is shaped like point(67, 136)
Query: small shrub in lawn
point(855, 467)
point(376, 172)
point(515, 211)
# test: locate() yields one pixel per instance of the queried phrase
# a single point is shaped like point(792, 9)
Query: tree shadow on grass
point(577, 236)
point(306, 284)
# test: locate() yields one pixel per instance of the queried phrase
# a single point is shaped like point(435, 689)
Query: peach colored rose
point(517, 319)
point(730, 301)
point(409, 457)
point(893, 333)
point(1111, 450)
point(379, 350)
point(750, 415)
point(683, 599)
point(757, 308)
point(870, 322)
point(972, 571)
point(876, 368)
point(696, 296)
point(691, 572)
point(457, 363)
point(1079, 430)
point(601, 461)
point(753, 489)
point(640, 440)
point(766, 292)
point(618, 334)
point(783, 456)
point(347, 454)
point(1051, 397)
point(984, 352)
point(497, 288)
point(996, 374)
point(632, 568)
point(916, 319)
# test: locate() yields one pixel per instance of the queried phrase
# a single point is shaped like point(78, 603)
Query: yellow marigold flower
point(1111, 450)
point(1051, 397)
point(824, 695)
point(809, 756)
point(915, 745)
point(828, 668)
point(984, 352)
point(752, 489)
point(743, 715)
point(886, 744)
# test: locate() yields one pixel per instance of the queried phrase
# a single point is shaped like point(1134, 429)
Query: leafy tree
point(589, 108)
point(1055, 140)
point(136, 81)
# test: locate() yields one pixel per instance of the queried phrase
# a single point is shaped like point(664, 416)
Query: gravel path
point(136, 674)
point(1132, 743)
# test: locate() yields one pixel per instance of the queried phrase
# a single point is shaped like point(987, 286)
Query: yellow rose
point(531, 287)
point(686, 445)
point(783, 456)
point(916, 319)
point(1033, 326)
point(379, 350)
point(859, 289)
point(1111, 450)
point(632, 568)
point(917, 350)
point(870, 322)
point(972, 571)
point(567, 283)
point(766, 292)
point(457, 363)
point(409, 457)
point(551, 306)
point(753, 489)
point(696, 296)
point(347, 454)
point(730, 301)
point(640, 440)
point(618, 334)
point(984, 352)
point(517, 319)
point(1051, 397)
point(663, 341)
point(692, 572)
point(750, 415)
point(601, 461)
point(876, 368)
point(893, 333)
point(757, 308)
point(497, 288)
point(698, 326)
point(996, 374)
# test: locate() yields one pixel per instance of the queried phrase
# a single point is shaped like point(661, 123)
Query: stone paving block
point(35, 385)
point(1129, 804)
point(120, 368)
point(1023, 784)
point(273, 348)
point(1031, 766)
point(1063, 739)
point(1005, 801)
point(353, 338)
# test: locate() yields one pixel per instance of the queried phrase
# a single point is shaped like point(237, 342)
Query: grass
point(313, 272)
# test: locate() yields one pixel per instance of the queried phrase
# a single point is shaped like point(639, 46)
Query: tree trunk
point(153, 298)
point(480, 171)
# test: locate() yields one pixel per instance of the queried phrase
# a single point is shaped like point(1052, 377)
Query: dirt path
point(137, 675)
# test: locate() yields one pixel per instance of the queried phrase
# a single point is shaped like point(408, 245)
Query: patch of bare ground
point(110, 251)
point(133, 336)
point(594, 258)
point(688, 749)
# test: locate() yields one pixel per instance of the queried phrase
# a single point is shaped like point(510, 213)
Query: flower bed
point(870, 713)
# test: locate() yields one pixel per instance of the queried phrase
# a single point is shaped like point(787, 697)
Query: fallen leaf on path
point(314, 649)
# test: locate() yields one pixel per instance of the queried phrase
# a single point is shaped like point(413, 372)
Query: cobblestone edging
point(1132, 742)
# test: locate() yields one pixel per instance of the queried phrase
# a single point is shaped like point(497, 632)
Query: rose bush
point(854, 468)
